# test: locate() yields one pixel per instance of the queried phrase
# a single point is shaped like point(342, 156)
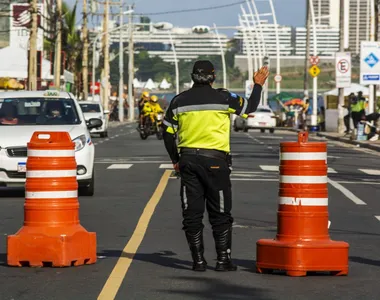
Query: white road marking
point(346, 192)
point(253, 179)
point(331, 170)
point(271, 137)
point(132, 162)
point(370, 172)
point(269, 168)
point(377, 217)
point(270, 147)
point(166, 166)
point(120, 166)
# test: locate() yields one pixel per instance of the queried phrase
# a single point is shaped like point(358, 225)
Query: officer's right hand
point(261, 76)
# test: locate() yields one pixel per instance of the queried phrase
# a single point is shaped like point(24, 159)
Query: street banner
point(343, 69)
point(370, 63)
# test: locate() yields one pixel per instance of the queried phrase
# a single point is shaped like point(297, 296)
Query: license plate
point(21, 167)
point(263, 123)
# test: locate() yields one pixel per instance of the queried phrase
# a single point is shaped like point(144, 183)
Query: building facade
point(189, 43)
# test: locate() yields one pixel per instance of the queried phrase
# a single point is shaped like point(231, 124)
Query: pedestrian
point(200, 117)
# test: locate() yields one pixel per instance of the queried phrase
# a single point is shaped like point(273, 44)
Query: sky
point(289, 12)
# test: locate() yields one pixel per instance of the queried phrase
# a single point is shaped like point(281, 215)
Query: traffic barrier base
point(302, 243)
point(52, 234)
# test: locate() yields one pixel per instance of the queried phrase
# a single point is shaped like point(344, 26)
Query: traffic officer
point(200, 117)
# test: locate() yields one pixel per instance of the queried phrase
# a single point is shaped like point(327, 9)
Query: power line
point(190, 10)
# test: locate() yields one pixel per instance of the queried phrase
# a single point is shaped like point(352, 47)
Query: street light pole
point(223, 58)
point(315, 79)
point(131, 68)
point(341, 49)
point(372, 91)
point(278, 83)
point(121, 67)
point(176, 63)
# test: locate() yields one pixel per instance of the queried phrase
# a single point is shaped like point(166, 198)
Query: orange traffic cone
point(52, 234)
point(302, 243)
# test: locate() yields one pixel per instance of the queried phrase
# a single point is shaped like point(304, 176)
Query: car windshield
point(265, 110)
point(38, 111)
point(90, 108)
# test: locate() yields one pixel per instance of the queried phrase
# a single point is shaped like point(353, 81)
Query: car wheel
point(262, 130)
point(236, 129)
point(88, 190)
point(271, 130)
point(245, 129)
point(106, 134)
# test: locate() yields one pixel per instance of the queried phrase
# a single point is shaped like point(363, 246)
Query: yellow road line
point(118, 273)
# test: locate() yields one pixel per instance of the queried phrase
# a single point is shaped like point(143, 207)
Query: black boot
point(223, 241)
point(195, 241)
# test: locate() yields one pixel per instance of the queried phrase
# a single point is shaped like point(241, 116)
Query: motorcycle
point(152, 126)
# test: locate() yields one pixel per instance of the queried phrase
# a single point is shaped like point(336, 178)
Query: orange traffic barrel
point(52, 234)
point(302, 242)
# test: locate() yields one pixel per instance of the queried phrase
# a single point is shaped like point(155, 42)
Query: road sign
point(314, 60)
point(314, 71)
point(278, 78)
point(343, 69)
point(370, 63)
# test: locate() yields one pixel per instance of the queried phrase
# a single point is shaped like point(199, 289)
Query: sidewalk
point(373, 145)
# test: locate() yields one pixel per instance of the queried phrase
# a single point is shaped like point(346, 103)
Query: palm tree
point(71, 40)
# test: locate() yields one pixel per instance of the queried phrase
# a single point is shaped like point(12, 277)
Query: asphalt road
point(137, 209)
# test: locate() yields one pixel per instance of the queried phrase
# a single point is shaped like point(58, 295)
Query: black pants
point(205, 181)
point(356, 117)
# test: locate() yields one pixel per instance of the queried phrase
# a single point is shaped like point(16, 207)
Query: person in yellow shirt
point(151, 108)
point(143, 100)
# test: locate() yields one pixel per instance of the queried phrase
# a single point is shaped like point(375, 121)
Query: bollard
point(52, 234)
point(302, 242)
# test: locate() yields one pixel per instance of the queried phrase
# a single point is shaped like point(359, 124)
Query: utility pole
point(106, 69)
point(32, 72)
point(307, 55)
point(372, 90)
point(57, 56)
point(341, 49)
point(131, 67)
point(121, 66)
point(85, 52)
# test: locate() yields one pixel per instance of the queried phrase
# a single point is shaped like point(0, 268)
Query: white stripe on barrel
point(303, 179)
point(50, 153)
point(303, 156)
point(51, 194)
point(51, 173)
point(303, 201)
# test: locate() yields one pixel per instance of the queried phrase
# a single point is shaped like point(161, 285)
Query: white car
point(23, 113)
point(92, 109)
point(263, 118)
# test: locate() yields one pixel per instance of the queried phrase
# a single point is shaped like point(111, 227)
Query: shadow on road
point(167, 258)
point(213, 288)
point(365, 261)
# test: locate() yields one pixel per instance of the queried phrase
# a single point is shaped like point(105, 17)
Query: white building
point(188, 44)
point(269, 37)
point(327, 41)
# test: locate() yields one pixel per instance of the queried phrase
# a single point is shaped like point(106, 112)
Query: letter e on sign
point(343, 66)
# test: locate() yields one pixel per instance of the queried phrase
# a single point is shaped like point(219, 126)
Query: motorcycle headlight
point(159, 117)
point(80, 142)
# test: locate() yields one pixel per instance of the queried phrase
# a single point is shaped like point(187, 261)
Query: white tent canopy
point(138, 84)
point(355, 88)
point(165, 84)
point(150, 85)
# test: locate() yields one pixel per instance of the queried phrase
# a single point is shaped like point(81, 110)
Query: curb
point(355, 143)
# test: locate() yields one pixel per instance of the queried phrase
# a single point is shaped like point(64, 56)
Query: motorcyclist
point(151, 108)
point(143, 100)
